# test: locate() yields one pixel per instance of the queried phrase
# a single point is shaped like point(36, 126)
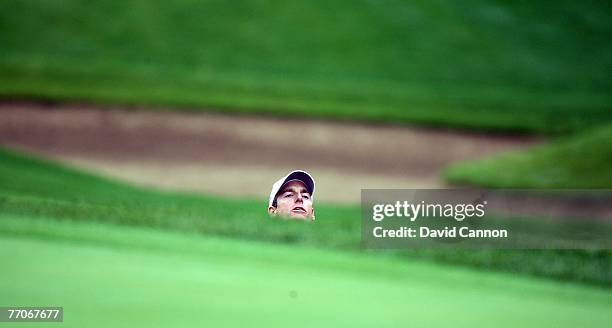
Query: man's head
point(292, 197)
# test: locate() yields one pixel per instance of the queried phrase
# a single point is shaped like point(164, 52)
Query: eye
point(287, 195)
point(307, 196)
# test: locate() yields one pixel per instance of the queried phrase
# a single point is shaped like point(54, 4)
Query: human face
point(294, 202)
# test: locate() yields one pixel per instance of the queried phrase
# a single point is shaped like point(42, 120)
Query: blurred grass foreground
point(110, 255)
point(536, 66)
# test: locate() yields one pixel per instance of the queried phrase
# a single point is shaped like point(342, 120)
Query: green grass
point(35, 188)
point(109, 276)
point(580, 161)
point(538, 66)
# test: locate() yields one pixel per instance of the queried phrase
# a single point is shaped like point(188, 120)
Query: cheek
point(284, 203)
point(307, 204)
point(284, 200)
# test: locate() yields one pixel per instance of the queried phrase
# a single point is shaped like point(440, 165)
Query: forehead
point(295, 185)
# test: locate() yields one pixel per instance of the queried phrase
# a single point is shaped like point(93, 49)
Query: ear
point(272, 210)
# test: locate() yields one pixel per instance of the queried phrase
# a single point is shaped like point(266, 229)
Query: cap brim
point(304, 177)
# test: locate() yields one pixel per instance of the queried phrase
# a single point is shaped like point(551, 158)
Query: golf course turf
point(35, 188)
point(536, 66)
point(474, 77)
point(578, 161)
point(105, 275)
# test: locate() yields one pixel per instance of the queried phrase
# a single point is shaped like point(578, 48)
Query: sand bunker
point(240, 155)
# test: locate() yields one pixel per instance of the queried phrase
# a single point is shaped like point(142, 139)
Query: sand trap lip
point(241, 155)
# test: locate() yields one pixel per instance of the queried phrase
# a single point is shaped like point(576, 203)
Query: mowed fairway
point(110, 276)
point(541, 66)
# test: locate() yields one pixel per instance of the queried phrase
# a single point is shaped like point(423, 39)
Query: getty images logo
point(413, 211)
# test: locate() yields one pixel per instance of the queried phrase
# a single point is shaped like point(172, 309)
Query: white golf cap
point(299, 175)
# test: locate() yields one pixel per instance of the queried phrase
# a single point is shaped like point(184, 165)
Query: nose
point(299, 197)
